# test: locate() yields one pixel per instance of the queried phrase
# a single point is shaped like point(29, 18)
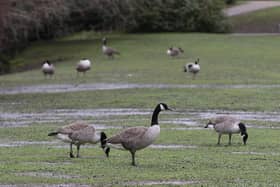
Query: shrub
point(177, 16)
point(4, 64)
point(45, 19)
point(230, 2)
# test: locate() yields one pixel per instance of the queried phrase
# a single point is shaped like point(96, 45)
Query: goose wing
point(128, 135)
point(72, 128)
point(112, 51)
point(83, 135)
point(225, 119)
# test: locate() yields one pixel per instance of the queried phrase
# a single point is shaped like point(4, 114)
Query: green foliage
point(4, 64)
point(28, 20)
point(179, 15)
point(230, 2)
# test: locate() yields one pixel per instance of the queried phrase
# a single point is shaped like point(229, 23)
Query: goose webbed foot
point(107, 151)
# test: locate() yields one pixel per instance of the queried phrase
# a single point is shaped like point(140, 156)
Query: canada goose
point(78, 133)
point(174, 51)
point(108, 51)
point(47, 68)
point(83, 66)
point(228, 125)
point(136, 138)
point(193, 68)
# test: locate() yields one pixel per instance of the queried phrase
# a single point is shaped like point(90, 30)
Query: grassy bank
point(262, 21)
point(224, 59)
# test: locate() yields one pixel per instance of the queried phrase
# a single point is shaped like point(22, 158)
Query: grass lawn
point(224, 59)
point(29, 156)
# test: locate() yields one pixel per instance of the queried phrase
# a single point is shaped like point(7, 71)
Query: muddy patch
point(167, 182)
point(60, 88)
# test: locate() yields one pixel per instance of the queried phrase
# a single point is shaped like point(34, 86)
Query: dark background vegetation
point(23, 21)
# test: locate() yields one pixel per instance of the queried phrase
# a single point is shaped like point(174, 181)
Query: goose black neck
point(155, 116)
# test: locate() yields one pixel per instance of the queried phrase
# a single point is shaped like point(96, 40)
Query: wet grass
point(208, 164)
point(225, 59)
point(222, 99)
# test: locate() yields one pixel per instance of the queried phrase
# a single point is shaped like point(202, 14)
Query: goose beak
point(171, 109)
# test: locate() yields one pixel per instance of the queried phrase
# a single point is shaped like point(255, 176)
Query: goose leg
point(133, 157)
point(71, 151)
point(229, 140)
point(78, 150)
point(219, 139)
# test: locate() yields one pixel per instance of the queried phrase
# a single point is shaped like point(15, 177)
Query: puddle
point(60, 88)
point(261, 127)
point(47, 174)
point(182, 121)
point(170, 146)
point(256, 153)
point(185, 128)
point(25, 143)
point(60, 116)
point(154, 146)
point(167, 182)
point(93, 116)
point(48, 163)
point(249, 116)
point(44, 185)
point(59, 144)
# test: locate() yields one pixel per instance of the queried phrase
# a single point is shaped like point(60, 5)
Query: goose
point(47, 68)
point(193, 68)
point(136, 138)
point(108, 51)
point(78, 133)
point(174, 51)
point(83, 66)
point(228, 125)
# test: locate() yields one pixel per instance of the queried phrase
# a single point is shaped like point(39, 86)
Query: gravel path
point(250, 7)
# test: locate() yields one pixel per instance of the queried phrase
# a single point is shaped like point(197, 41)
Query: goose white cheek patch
point(162, 107)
